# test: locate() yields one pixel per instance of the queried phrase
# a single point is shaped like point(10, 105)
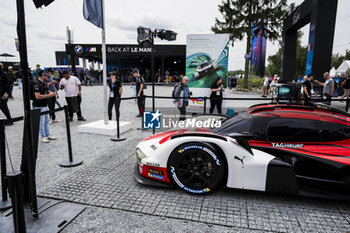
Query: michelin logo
point(287, 145)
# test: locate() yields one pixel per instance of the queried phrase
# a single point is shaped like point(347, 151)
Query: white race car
point(289, 149)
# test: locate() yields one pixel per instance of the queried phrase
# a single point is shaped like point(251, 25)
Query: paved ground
point(116, 203)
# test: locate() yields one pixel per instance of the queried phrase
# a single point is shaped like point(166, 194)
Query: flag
point(92, 10)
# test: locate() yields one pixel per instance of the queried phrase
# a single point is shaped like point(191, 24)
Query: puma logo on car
point(240, 159)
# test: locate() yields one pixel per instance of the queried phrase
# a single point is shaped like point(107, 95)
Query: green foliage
point(255, 82)
point(239, 17)
point(337, 59)
point(274, 61)
point(274, 66)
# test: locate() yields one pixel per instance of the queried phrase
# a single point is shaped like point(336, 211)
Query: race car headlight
point(140, 155)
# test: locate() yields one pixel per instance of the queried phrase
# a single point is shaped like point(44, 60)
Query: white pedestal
point(98, 127)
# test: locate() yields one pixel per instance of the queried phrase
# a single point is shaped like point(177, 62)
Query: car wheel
point(196, 168)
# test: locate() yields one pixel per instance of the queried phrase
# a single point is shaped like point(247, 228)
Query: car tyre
point(196, 168)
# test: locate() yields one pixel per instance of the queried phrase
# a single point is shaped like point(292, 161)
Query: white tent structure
point(332, 72)
point(343, 67)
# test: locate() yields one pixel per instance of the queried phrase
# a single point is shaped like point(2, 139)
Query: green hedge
point(253, 82)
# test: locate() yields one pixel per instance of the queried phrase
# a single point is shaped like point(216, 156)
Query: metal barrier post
point(117, 138)
point(16, 194)
point(70, 162)
point(5, 203)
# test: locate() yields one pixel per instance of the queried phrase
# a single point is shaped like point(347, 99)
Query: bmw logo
point(78, 49)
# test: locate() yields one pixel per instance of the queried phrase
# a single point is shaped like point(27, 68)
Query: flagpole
point(104, 66)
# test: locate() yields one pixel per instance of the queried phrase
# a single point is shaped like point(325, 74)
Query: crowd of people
point(307, 87)
point(44, 86)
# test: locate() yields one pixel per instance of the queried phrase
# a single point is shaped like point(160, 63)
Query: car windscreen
point(292, 130)
point(239, 123)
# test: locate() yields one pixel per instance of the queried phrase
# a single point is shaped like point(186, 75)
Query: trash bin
point(230, 111)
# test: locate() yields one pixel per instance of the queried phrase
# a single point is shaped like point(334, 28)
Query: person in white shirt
point(72, 88)
point(265, 86)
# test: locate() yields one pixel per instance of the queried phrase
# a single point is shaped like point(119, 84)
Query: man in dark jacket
point(139, 91)
point(184, 93)
point(4, 94)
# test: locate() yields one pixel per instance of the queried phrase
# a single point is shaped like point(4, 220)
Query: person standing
point(182, 90)
point(115, 92)
point(216, 89)
point(72, 88)
point(328, 87)
point(4, 93)
point(12, 79)
point(307, 90)
point(346, 86)
point(265, 86)
point(36, 72)
point(42, 94)
point(139, 91)
point(52, 85)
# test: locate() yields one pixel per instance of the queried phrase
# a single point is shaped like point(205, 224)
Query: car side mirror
point(242, 139)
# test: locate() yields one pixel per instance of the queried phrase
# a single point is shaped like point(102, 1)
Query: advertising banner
point(258, 51)
point(206, 59)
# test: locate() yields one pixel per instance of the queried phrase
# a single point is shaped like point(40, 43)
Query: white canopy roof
point(332, 72)
point(343, 67)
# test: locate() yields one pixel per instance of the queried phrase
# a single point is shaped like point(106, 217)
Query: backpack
point(174, 94)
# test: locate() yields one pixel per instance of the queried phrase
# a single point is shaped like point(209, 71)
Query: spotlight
point(166, 34)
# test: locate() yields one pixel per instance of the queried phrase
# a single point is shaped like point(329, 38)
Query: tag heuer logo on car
point(287, 145)
point(78, 49)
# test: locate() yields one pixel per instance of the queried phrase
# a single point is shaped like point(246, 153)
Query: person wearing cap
point(4, 90)
point(115, 92)
point(72, 88)
point(139, 91)
point(36, 72)
point(42, 94)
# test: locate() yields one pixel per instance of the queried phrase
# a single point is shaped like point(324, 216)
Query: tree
point(337, 59)
point(239, 17)
point(274, 66)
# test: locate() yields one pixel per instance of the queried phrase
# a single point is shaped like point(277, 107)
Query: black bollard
point(205, 104)
point(117, 138)
point(5, 204)
point(16, 194)
point(70, 162)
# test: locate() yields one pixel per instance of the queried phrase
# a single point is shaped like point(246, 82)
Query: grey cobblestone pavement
point(117, 203)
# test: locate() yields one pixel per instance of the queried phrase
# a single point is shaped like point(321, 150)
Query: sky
point(46, 27)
